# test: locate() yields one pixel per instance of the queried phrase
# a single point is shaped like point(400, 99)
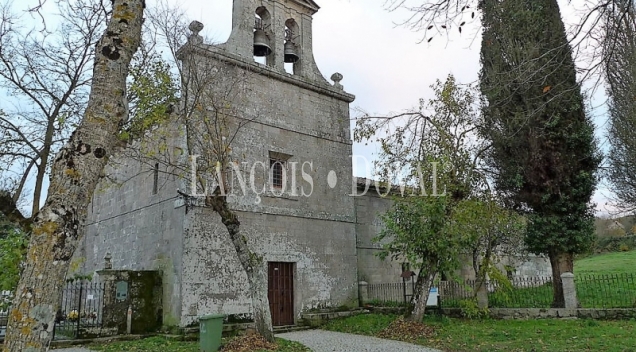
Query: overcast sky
point(383, 64)
point(386, 66)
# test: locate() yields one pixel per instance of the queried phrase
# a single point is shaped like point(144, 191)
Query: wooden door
point(280, 293)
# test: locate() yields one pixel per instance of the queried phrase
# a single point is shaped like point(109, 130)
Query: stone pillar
point(363, 292)
point(569, 290)
point(482, 295)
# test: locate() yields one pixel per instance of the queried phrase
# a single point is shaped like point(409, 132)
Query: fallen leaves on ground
point(408, 331)
point(250, 342)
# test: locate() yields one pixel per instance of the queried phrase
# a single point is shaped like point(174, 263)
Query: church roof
point(310, 4)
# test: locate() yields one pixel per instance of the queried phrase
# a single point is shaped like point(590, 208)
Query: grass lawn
point(162, 344)
point(608, 263)
point(459, 335)
point(602, 281)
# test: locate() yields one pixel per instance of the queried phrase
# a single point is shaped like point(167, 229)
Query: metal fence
point(530, 292)
point(593, 291)
point(390, 294)
point(80, 311)
point(5, 298)
point(606, 291)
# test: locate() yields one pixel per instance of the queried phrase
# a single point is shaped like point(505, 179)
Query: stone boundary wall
point(317, 319)
point(552, 313)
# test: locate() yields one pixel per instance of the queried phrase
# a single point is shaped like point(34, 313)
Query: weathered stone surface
point(552, 313)
point(299, 115)
point(143, 295)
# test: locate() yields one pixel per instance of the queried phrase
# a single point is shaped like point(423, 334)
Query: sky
point(386, 66)
point(383, 65)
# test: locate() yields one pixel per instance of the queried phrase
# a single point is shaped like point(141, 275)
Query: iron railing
point(80, 310)
point(530, 292)
point(390, 294)
point(606, 291)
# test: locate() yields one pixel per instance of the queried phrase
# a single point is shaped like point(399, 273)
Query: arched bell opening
point(291, 48)
point(262, 41)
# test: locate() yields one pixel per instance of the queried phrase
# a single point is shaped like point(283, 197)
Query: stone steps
point(290, 328)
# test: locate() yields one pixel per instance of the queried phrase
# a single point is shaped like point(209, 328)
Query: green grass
point(609, 263)
point(529, 297)
point(602, 281)
point(162, 344)
point(459, 335)
point(533, 335)
point(379, 303)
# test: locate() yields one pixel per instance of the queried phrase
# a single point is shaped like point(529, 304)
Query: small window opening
point(155, 181)
point(276, 167)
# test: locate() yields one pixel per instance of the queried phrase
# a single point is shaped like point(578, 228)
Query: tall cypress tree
point(543, 155)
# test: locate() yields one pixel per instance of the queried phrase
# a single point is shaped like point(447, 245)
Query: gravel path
point(327, 341)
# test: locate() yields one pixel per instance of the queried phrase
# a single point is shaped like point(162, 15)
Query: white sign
point(432, 297)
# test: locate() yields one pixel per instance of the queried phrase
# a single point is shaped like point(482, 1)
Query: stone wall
point(141, 292)
point(141, 229)
point(551, 313)
point(370, 205)
point(309, 222)
point(214, 281)
point(372, 269)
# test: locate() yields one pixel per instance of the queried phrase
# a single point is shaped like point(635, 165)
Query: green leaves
point(13, 245)
point(419, 229)
point(152, 92)
point(543, 154)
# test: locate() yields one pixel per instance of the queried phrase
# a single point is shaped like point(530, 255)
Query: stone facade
point(319, 227)
point(300, 116)
point(369, 207)
point(139, 228)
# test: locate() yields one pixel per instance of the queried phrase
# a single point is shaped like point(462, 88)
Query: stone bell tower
point(295, 128)
point(279, 30)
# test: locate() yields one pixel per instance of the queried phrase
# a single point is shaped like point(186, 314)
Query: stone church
point(316, 248)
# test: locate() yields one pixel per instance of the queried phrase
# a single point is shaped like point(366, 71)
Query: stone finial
point(107, 261)
point(336, 78)
point(195, 27)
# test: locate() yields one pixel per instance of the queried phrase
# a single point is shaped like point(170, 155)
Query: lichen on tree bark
point(74, 176)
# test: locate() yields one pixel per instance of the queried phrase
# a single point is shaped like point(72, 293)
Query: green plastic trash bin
point(210, 329)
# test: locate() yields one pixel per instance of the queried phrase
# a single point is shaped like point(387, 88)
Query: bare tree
point(620, 72)
point(586, 35)
point(75, 172)
point(211, 116)
point(46, 75)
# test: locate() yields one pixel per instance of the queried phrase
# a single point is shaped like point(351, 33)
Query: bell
point(291, 55)
point(261, 43)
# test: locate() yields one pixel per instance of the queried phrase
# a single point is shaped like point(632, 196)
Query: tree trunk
point(561, 263)
point(420, 293)
point(74, 176)
point(39, 181)
point(251, 263)
point(476, 262)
